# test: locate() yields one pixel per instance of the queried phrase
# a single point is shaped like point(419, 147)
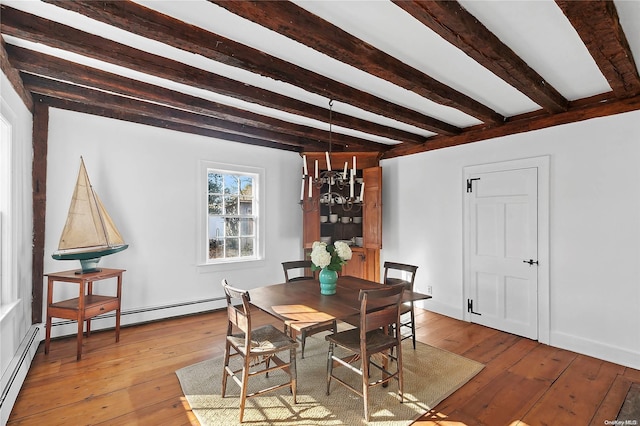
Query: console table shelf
point(84, 307)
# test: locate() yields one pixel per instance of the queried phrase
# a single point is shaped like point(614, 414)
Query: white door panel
point(502, 236)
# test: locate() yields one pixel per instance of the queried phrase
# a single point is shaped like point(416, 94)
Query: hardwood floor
point(133, 382)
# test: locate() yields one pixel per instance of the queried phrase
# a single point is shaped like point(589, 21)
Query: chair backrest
point(403, 269)
point(239, 315)
point(383, 305)
point(305, 265)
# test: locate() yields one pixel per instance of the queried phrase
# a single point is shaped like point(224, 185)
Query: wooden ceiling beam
point(29, 27)
point(298, 24)
point(119, 114)
point(83, 95)
point(32, 62)
point(460, 28)
point(150, 24)
point(581, 112)
point(598, 25)
point(14, 76)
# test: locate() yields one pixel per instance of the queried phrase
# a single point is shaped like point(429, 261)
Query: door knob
point(531, 262)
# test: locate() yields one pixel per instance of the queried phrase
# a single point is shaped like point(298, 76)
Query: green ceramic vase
point(328, 280)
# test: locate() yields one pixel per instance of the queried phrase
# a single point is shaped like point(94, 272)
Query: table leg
point(80, 322)
point(47, 339)
point(89, 292)
point(79, 337)
point(119, 295)
point(385, 365)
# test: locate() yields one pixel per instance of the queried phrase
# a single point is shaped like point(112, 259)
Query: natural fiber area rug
point(430, 375)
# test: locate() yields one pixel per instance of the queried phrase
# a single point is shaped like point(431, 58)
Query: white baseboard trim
point(599, 350)
point(441, 308)
point(17, 371)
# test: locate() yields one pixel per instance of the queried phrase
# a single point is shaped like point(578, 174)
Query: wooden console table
point(84, 307)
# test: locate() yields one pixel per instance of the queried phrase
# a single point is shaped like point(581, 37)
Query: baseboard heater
point(18, 365)
point(143, 310)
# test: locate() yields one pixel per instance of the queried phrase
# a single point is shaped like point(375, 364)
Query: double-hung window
point(232, 215)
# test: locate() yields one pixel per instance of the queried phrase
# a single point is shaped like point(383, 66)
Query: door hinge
point(470, 307)
point(470, 184)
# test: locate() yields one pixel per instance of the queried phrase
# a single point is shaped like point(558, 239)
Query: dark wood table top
point(301, 301)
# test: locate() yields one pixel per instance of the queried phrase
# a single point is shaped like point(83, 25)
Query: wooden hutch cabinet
point(364, 219)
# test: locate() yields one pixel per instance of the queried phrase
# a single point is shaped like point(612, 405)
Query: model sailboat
point(89, 232)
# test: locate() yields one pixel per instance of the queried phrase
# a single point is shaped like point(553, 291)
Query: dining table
point(300, 303)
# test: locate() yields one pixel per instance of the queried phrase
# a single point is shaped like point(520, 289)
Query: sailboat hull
point(89, 259)
point(92, 254)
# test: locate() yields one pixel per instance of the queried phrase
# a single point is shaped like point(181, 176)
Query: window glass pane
point(246, 206)
point(246, 227)
point(231, 204)
point(232, 227)
point(232, 247)
point(231, 183)
point(215, 183)
point(246, 186)
point(216, 249)
point(246, 246)
point(216, 226)
point(215, 204)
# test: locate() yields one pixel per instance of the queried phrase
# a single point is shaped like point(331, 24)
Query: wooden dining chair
point(306, 325)
point(371, 337)
point(302, 266)
point(407, 273)
point(257, 347)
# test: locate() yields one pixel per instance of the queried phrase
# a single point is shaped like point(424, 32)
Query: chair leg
point(304, 339)
point(293, 374)
point(267, 361)
point(329, 366)
point(413, 328)
point(243, 387)
point(225, 364)
point(400, 375)
point(365, 386)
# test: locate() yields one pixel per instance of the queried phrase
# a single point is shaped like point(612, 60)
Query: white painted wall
point(15, 308)
point(594, 227)
point(147, 178)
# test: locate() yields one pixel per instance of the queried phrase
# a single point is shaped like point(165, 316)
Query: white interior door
point(502, 209)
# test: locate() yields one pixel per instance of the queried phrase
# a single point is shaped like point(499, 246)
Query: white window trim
point(8, 287)
point(203, 217)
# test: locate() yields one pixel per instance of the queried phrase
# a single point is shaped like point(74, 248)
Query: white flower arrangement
point(330, 256)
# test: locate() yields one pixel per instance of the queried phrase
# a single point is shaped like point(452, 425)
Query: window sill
point(204, 268)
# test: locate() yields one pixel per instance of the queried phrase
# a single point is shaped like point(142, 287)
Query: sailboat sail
point(89, 231)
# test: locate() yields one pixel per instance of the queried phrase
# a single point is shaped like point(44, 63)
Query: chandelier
point(332, 184)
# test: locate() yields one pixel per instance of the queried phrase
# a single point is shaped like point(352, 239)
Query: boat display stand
point(84, 307)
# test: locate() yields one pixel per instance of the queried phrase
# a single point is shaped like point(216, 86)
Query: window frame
point(203, 217)
point(8, 289)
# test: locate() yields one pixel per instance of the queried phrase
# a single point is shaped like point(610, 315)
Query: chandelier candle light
point(329, 258)
point(330, 179)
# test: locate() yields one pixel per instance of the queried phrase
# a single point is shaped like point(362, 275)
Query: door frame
point(542, 163)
